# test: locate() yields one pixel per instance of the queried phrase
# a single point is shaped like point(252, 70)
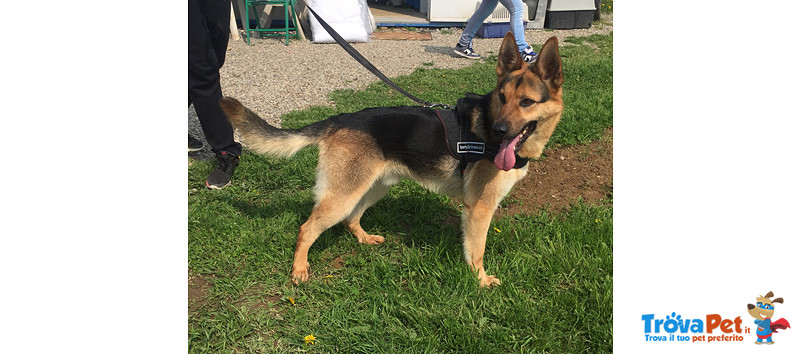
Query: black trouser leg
point(208, 41)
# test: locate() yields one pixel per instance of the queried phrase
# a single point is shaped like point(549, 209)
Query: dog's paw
point(371, 240)
point(489, 281)
point(300, 273)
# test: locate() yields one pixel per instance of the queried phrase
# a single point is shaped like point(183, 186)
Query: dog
point(763, 312)
point(362, 154)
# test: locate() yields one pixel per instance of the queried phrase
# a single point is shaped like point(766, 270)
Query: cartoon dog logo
point(762, 311)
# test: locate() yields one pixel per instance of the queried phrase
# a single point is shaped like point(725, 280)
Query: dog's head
point(526, 105)
point(764, 307)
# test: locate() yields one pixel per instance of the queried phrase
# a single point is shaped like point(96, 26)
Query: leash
point(364, 62)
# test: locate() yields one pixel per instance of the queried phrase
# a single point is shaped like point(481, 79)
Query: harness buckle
point(439, 105)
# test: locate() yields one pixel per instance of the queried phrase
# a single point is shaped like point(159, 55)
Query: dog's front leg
point(485, 186)
point(476, 220)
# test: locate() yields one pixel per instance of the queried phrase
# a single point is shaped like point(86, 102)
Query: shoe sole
point(532, 60)
point(191, 149)
point(217, 187)
point(464, 55)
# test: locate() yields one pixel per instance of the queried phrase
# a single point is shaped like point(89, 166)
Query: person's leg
point(218, 17)
point(208, 40)
point(204, 63)
point(515, 8)
point(475, 22)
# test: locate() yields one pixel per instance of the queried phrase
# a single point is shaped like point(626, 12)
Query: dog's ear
point(779, 300)
point(769, 295)
point(509, 58)
point(548, 64)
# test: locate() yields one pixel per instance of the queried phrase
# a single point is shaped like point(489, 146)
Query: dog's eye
point(502, 97)
point(526, 102)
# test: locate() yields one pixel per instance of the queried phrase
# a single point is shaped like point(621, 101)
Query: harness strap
point(468, 146)
point(446, 135)
point(464, 127)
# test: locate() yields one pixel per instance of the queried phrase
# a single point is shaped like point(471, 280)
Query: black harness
point(463, 144)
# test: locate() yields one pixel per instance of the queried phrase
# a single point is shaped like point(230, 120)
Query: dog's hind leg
point(344, 177)
point(329, 211)
point(353, 221)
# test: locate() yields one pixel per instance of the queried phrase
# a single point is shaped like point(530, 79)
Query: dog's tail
point(266, 139)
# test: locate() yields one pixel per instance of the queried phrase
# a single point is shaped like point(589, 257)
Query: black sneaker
point(194, 144)
point(221, 176)
point(466, 52)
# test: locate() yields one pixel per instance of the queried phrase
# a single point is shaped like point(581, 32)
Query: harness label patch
point(470, 147)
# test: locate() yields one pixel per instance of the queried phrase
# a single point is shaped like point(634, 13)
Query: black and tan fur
point(362, 154)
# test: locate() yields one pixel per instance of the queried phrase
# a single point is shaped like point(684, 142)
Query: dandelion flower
point(310, 339)
point(291, 299)
point(496, 230)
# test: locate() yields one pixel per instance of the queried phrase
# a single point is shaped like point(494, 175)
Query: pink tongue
point(505, 158)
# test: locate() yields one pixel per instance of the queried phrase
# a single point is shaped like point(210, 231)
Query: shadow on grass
point(301, 207)
point(415, 219)
point(408, 214)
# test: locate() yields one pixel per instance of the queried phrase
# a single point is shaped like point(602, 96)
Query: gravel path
point(273, 79)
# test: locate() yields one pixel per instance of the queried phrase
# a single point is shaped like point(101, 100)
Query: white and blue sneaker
point(528, 55)
point(466, 52)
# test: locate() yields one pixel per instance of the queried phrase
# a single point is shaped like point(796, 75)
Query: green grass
point(414, 293)
point(607, 6)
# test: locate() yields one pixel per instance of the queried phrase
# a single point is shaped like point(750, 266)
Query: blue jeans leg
point(484, 10)
point(517, 28)
point(475, 22)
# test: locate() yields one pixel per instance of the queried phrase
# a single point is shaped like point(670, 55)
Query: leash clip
point(439, 105)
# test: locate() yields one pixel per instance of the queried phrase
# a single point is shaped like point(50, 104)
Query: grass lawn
point(414, 293)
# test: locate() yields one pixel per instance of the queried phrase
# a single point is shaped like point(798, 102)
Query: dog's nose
point(750, 306)
point(500, 128)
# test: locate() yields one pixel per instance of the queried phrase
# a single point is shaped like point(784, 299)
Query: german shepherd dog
point(362, 154)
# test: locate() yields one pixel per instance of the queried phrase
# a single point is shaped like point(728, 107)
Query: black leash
point(363, 61)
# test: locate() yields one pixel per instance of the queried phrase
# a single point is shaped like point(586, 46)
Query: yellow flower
point(291, 299)
point(597, 221)
point(328, 276)
point(310, 339)
point(496, 230)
